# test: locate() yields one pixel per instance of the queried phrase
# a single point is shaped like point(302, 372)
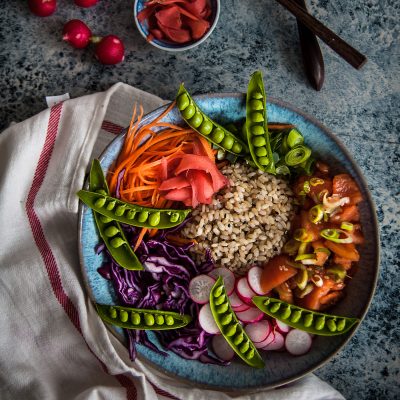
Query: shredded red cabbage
point(163, 285)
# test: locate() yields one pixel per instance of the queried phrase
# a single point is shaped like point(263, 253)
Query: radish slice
point(242, 307)
point(298, 342)
point(207, 321)
point(267, 341)
point(221, 348)
point(228, 277)
point(244, 291)
point(258, 331)
point(277, 343)
point(235, 301)
point(281, 327)
point(254, 280)
point(251, 315)
point(200, 288)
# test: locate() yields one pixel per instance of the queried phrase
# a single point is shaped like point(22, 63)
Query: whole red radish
point(109, 50)
point(77, 33)
point(86, 3)
point(42, 8)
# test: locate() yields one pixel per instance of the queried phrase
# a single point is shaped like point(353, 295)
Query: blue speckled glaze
point(280, 367)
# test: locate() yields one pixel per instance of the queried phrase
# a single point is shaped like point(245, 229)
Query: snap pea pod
point(110, 230)
point(132, 214)
point(258, 137)
point(206, 127)
point(230, 327)
point(140, 318)
point(303, 319)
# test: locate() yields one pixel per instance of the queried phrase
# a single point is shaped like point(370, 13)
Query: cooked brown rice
point(246, 224)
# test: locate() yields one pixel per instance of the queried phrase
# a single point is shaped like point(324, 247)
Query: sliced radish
point(277, 343)
point(251, 315)
point(234, 300)
point(242, 307)
point(244, 291)
point(207, 321)
point(221, 348)
point(266, 341)
point(228, 277)
point(281, 327)
point(200, 288)
point(258, 331)
point(298, 342)
point(254, 280)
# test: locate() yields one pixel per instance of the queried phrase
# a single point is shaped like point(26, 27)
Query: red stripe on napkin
point(111, 127)
point(44, 248)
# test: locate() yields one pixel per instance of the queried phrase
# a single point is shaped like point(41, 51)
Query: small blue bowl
point(170, 46)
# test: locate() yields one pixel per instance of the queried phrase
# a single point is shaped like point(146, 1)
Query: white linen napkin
point(52, 343)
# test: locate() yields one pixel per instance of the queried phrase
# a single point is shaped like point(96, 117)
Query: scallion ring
point(316, 213)
point(306, 187)
point(322, 250)
point(334, 235)
point(347, 226)
point(301, 279)
point(301, 235)
point(294, 138)
point(316, 181)
point(317, 280)
point(291, 247)
point(297, 155)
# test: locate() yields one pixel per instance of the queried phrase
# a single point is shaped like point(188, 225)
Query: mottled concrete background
point(361, 107)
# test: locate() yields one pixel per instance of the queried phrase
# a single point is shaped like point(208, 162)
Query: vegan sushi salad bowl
point(229, 240)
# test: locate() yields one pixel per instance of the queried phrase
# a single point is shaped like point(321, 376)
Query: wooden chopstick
point(347, 52)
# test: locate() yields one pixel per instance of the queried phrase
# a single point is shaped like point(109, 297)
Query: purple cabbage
point(163, 285)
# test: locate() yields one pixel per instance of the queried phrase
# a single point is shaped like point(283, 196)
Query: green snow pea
point(231, 328)
point(205, 126)
point(138, 318)
point(256, 125)
point(109, 229)
point(306, 320)
point(131, 214)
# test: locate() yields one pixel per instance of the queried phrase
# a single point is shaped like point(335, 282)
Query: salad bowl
point(280, 367)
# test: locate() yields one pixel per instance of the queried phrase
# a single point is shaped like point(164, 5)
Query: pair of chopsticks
point(309, 27)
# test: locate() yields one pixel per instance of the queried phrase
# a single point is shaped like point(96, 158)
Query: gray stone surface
point(361, 107)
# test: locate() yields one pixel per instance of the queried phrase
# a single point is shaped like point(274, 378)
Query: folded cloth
point(52, 343)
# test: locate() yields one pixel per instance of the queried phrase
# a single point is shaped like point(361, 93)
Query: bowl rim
point(374, 223)
point(183, 47)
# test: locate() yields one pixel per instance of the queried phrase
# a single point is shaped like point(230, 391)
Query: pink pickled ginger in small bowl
point(176, 25)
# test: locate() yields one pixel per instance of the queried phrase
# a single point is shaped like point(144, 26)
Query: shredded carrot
point(146, 152)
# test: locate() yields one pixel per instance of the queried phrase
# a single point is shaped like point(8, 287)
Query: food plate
point(281, 367)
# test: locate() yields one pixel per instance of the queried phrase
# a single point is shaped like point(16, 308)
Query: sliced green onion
point(295, 265)
point(302, 257)
point(282, 170)
point(291, 247)
point(317, 280)
point(316, 213)
point(316, 181)
point(323, 250)
point(301, 279)
point(333, 202)
point(307, 290)
point(301, 235)
point(334, 235)
point(306, 187)
point(297, 155)
point(338, 271)
point(303, 248)
point(294, 138)
point(306, 259)
point(308, 165)
point(348, 226)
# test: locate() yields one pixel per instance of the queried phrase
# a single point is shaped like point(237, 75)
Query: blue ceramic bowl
point(280, 367)
point(170, 46)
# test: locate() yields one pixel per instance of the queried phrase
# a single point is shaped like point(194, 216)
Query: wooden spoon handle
point(347, 52)
point(311, 53)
